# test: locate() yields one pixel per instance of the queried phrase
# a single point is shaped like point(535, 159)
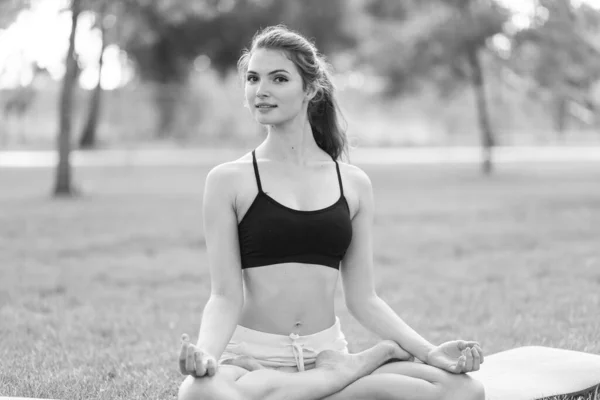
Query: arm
point(457, 356)
point(357, 278)
point(222, 311)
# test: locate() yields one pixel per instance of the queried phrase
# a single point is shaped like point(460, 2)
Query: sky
point(41, 35)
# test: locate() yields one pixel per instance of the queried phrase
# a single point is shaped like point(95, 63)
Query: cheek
point(293, 97)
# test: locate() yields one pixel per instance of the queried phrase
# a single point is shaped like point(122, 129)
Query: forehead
point(267, 60)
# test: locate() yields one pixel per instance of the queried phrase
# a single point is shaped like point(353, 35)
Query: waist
point(330, 334)
point(288, 352)
point(306, 320)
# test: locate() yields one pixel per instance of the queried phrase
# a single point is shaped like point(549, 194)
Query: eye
point(252, 78)
point(280, 79)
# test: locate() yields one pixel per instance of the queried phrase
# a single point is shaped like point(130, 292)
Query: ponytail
point(323, 115)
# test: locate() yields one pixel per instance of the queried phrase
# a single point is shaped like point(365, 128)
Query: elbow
point(358, 304)
point(233, 300)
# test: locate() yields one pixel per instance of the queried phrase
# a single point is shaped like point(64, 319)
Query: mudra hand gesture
point(456, 356)
point(193, 361)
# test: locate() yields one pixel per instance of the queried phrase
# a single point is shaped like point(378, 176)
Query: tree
point(128, 23)
point(87, 138)
point(63, 185)
point(442, 39)
point(557, 54)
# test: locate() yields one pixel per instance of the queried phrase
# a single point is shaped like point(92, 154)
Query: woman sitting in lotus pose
point(281, 224)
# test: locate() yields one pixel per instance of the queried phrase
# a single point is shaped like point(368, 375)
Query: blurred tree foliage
point(165, 47)
point(439, 41)
point(165, 52)
point(164, 37)
point(442, 42)
point(9, 9)
point(559, 55)
point(411, 44)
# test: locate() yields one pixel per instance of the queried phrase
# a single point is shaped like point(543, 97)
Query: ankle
point(390, 349)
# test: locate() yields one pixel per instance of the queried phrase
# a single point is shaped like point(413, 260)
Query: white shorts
point(273, 351)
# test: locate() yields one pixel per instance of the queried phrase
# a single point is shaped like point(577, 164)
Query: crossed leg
point(337, 376)
point(333, 371)
point(409, 380)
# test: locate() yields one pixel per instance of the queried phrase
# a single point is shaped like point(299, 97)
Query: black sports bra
point(271, 233)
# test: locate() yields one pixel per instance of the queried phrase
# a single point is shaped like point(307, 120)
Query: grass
point(96, 291)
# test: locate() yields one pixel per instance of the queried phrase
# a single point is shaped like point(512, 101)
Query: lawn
point(95, 292)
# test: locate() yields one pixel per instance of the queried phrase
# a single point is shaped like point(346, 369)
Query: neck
point(292, 142)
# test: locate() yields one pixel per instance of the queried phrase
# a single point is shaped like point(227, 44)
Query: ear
point(310, 93)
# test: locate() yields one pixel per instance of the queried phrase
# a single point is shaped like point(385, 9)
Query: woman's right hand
point(194, 361)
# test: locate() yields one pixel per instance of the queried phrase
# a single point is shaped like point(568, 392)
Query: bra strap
point(337, 167)
point(256, 171)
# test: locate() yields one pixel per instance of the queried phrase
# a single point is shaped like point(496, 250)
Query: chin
point(268, 120)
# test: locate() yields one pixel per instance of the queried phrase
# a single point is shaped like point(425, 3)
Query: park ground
point(96, 290)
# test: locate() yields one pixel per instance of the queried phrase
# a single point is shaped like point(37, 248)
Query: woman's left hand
point(457, 356)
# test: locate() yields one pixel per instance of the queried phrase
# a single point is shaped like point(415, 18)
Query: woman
point(282, 223)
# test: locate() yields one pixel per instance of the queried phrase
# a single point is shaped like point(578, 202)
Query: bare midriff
point(289, 298)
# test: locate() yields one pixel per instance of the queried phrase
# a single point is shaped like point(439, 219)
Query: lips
point(265, 105)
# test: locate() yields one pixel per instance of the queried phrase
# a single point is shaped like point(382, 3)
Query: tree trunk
point(63, 170)
point(560, 117)
point(487, 135)
point(166, 98)
point(88, 136)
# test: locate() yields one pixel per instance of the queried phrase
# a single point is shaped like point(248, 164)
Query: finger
point(471, 344)
point(211, 367)
point(183, 353)
point(182, 357)
point(460, 365)
point(476, 359)
point(200, 360)
point(469, 360)
point(456, 368)
point(461, 345)
point(480, 351)
point(190, 364)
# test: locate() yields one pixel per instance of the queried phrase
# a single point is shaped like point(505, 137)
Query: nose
point(262, 90)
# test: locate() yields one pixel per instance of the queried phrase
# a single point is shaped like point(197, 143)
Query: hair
point(323, 111)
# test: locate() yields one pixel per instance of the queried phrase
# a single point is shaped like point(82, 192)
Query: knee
point(462, 387)
point(206, 389)
point(190, 389)
point(474, 389)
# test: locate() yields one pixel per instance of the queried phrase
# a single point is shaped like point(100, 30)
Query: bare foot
point(245, 362)
point(357, 365)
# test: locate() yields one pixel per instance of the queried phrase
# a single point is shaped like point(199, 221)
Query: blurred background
point(477, 121)
point(161, 73)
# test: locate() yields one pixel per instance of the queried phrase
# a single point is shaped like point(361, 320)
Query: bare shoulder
point(226, 177)
point(357, 179)
point(224, 173)
point(357, 188)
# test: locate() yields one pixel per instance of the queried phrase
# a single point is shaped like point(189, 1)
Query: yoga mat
point(534, 372)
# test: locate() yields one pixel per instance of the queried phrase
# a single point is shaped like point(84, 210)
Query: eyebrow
point(270, 73)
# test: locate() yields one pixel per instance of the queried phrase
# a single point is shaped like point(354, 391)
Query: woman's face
point(274, 88)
